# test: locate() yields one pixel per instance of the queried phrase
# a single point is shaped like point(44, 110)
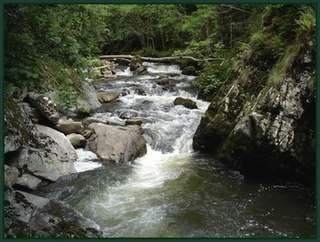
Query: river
point(173, 191)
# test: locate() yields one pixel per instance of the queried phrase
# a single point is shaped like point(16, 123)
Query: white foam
point(125, 72)
point(85, 161)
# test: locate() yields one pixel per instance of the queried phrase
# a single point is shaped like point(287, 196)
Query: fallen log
point(159, 59)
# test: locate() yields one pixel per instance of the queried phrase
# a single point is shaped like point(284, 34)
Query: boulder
point(28, 181)
point(60, 139)
point(77, 140)
point(117, 144)
point(188, 103)
point(86, 103)
point(48, 163)
point(39, 202)
point(105, 97)
point(69, 126)
point(31, 151)
point(45, 105)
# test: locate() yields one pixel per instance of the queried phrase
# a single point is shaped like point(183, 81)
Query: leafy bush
point(213, 76)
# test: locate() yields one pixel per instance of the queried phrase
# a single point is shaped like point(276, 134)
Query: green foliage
point(48, 46)
point(213, 76)
point(306, 23)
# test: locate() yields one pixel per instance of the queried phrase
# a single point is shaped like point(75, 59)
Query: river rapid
point(173, 191)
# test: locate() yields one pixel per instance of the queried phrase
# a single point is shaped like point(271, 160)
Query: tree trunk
point(161, 59)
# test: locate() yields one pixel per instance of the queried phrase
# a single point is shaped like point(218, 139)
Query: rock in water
point(117, 144)
point(188, 103)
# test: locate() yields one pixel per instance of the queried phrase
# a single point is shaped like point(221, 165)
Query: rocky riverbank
point(39, 148)
point(262, 120)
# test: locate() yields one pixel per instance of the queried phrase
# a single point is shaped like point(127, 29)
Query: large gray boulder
point(61, 140)
point(117, 144)
point(48, 163)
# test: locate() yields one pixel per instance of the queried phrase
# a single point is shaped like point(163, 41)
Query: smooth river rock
point(117, 144)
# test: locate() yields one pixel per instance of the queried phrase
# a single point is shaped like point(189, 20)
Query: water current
point(173, 191)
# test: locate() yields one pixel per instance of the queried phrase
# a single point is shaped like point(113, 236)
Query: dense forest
point(47, 46)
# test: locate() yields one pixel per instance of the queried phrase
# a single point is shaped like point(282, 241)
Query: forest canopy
point(47, 46)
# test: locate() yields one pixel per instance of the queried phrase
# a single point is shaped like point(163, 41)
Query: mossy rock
point(189, 70)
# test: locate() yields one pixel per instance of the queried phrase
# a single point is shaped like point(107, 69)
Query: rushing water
point(173, 191)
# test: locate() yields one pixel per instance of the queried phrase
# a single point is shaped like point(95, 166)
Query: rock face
point(117, 144)
point(265, 127)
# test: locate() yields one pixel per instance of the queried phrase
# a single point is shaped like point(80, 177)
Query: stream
point(173, 191)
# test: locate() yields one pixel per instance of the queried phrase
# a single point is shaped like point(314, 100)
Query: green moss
point(14, 124)
point(49, 161)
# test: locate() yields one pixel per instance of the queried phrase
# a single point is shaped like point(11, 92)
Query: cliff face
point(262, 120)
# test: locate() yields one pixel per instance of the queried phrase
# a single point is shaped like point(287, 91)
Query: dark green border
point(163, 2)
